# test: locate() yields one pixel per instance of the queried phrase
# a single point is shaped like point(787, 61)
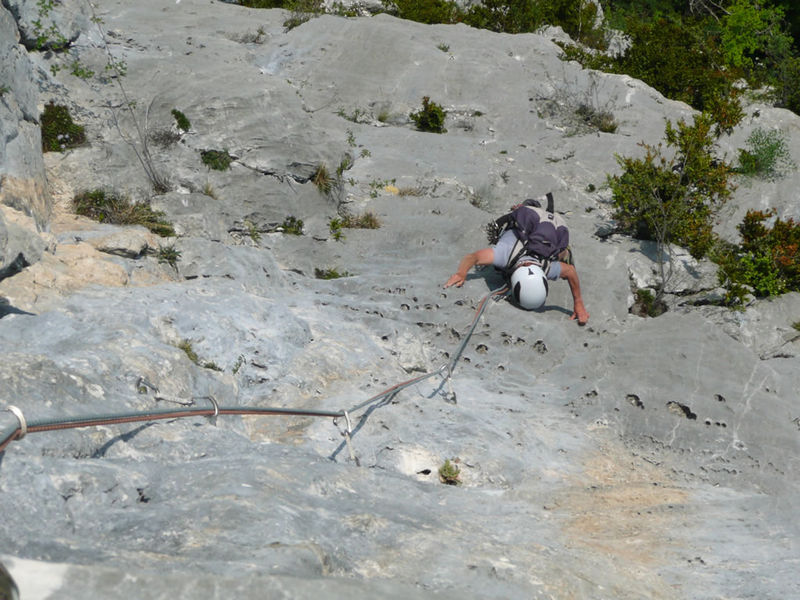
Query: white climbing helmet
point(529, 286)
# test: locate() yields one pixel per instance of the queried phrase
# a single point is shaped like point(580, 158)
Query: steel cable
point(25, 426)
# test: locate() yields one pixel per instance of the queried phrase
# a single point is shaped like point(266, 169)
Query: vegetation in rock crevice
point(59, 131)
point(109, 207)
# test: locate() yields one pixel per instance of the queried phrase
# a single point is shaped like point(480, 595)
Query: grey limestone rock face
point(23, 183)
point(630, 458)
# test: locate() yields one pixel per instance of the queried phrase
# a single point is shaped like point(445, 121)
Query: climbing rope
point(25, 426)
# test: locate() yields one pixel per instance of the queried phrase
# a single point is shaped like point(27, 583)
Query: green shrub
point(430, 117)
point(180, 120)
point(109, 207)
point(219, 160)
point(59, 131)
point(672, 197)
point(449, 473)
point(767, 261)
point(264, 3)
point(427, 11)
point(678, 58)
point(767, 155)
point(292, 226)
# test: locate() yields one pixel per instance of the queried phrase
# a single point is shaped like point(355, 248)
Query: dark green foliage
point(509, 16)
point(264, 3)
point(646, 304)
point(428, 11)
point(169, 255)
point(767, 260)
point(109, 207)
point(786, 84)
point(180, 120)
point(521, 16)
point(59, 131)
point(767, 155)
point(430, 117)
point(219, 160)
point(672, 197)
point(292, 226)
point(676, 57)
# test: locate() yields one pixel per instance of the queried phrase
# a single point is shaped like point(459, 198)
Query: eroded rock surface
point(631, 458)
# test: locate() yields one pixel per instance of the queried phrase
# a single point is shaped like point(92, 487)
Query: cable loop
point(216, 406)
point(23, 424)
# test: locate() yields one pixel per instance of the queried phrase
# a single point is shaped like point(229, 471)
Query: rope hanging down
point(26, 426)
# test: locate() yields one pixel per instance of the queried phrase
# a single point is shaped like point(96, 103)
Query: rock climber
point(531, 246)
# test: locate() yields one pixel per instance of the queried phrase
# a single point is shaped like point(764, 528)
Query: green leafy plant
point(335, 226)
point(180, 120)
point(796, 325)
point(443, 47)
point(80, 70)
point(47, 38)
point(169, 255)
point(672, 197)
point(219, 160)
point(766, 262)
point(359, 115)
point(646, 305)
point(302, 11)
point(332, 273)
point(109, 207)
point(430, 117)
point(766, 156)
point(59, 131)
point(292, 226)
point(376, 185)
point(450, 473)
point(427, 11)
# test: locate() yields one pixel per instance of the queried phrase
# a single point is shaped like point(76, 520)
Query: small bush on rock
point(219, 160)
point(109, 207)
point(767, 261)
point(181, 120)
point(59, 131)
point(767, 155)
point(449, 473)
point(430, 117)
point(672, 197)
point(292, 226)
